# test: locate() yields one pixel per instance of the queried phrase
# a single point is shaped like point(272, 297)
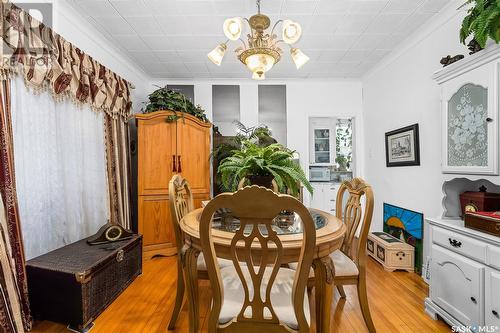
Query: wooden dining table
point(330, 233)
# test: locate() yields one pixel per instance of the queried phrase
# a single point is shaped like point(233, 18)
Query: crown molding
point(469, 63)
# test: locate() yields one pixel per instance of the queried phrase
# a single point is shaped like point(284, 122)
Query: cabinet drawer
point(493, 256)
point(458, 243)
point(457, 286)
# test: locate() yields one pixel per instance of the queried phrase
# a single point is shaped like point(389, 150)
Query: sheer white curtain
point(60, 169)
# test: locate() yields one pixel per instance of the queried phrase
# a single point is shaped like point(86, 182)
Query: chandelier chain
point(258, 6)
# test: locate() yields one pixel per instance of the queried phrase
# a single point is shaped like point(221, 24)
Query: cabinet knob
point(473, 299)
point(454, 242)
point(489, 120)
point(495, 313)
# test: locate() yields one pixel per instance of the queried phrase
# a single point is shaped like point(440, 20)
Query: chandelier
point(262, 51)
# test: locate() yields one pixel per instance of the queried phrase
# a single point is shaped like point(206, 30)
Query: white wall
point(401, 92)
point(322, 99)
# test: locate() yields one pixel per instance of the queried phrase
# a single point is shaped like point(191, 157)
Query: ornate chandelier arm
point(249, 25)
point(243, 42)
point(274, 26)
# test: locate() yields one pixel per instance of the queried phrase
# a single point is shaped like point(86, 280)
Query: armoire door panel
point(193, 149)
point(157, 150)
point(155, 220)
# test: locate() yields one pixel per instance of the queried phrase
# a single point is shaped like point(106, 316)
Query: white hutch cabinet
point(464, 263)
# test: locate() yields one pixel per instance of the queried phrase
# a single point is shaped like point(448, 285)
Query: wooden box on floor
point(391, 252)
point(75, 283)
point(167, 146)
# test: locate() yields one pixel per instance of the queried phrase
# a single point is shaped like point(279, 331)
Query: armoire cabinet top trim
point(166, 113)
point(468, 63)
point(457, 225)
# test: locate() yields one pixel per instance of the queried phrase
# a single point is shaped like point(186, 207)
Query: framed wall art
point(402, 147)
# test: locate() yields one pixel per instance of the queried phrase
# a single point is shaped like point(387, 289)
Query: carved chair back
point(243, 182)
point(353, 213)
point(256, 252)
point(181, 203)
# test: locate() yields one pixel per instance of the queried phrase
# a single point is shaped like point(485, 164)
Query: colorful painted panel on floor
point(406, 225)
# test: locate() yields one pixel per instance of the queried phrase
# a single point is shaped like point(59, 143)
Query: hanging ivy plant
point(482, 21)
point(166, 99)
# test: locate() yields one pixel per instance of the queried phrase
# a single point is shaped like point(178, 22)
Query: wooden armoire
point(167, 147)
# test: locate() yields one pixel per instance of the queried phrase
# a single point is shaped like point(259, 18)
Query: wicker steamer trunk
point(75, 283)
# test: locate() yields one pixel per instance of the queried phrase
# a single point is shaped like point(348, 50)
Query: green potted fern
point(482, 21)
point(260, 165)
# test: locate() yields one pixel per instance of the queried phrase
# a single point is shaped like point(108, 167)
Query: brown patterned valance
point(48, 61)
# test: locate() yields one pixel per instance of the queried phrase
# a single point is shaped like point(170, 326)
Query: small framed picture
point(402, 147)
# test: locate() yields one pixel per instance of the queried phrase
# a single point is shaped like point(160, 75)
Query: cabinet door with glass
point(470, 121)
point(322, 141)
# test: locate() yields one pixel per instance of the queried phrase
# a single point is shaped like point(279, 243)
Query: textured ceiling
point(343, 38)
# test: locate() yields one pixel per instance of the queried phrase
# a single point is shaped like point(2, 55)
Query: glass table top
point(284, 224)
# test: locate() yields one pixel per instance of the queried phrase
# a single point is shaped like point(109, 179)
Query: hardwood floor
point(396, 303)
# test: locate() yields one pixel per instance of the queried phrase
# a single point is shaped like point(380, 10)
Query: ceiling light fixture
point(262, 51)
point(217, 54)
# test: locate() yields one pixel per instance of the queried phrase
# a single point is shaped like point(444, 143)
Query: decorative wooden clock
point(109, 233)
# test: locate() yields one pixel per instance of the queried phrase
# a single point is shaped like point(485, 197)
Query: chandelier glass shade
point(217, 54)
point(291, 32)
point(299, 58)
point(262, 50)
point(233, 27)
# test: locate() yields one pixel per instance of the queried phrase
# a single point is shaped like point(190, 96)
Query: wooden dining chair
point(256, 294)
point(243, 182)
point(350, 266)
point(298, 196)
point(181, 203)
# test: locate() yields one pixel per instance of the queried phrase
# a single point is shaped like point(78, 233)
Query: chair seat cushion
point(203, 267)
point(344, 266)
point(281, 295)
